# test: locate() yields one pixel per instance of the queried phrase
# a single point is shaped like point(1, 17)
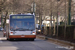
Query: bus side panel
point(20, 35)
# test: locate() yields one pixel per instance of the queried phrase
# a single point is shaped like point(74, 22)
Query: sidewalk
point(56, 41)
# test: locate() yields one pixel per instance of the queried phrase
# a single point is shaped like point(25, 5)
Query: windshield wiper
point(12, 29)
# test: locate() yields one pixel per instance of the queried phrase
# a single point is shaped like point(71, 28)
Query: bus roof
point(22, 14)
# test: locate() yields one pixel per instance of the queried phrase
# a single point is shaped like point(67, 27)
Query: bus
point(21, 26)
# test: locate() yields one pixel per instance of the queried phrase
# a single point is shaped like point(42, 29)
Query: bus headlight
point(11, 33)
point(33, 33)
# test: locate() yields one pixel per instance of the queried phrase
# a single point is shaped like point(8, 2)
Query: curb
point(56, 41)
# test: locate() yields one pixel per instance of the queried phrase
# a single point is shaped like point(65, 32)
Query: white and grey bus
point(21, 26)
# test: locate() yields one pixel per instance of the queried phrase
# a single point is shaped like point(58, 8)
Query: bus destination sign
point(21, 17)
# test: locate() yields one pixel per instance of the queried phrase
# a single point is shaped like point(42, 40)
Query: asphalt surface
point(38, 44)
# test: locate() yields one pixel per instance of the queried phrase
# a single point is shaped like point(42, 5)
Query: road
point(38, 44)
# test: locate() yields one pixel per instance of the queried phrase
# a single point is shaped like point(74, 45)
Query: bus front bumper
point(22, 36)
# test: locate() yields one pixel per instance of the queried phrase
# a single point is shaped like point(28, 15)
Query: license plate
point(22, 36)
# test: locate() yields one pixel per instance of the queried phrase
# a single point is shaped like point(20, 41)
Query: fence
point(68, 35)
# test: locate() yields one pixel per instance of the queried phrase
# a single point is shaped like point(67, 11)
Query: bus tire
point(7, 39)
point(32, 39)
point(10, 39)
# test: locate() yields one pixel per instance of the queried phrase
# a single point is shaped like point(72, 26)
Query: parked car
point(38, 30)
point(1, 29)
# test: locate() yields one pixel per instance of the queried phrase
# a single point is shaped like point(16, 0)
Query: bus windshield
point(22, 24)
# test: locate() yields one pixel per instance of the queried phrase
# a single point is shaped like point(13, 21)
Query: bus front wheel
point(10, 39)
point(32, 39)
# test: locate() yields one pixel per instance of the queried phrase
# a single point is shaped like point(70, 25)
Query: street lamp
point(57, 17)
point(65, 20)
point(33, 9)
point(69, 14)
